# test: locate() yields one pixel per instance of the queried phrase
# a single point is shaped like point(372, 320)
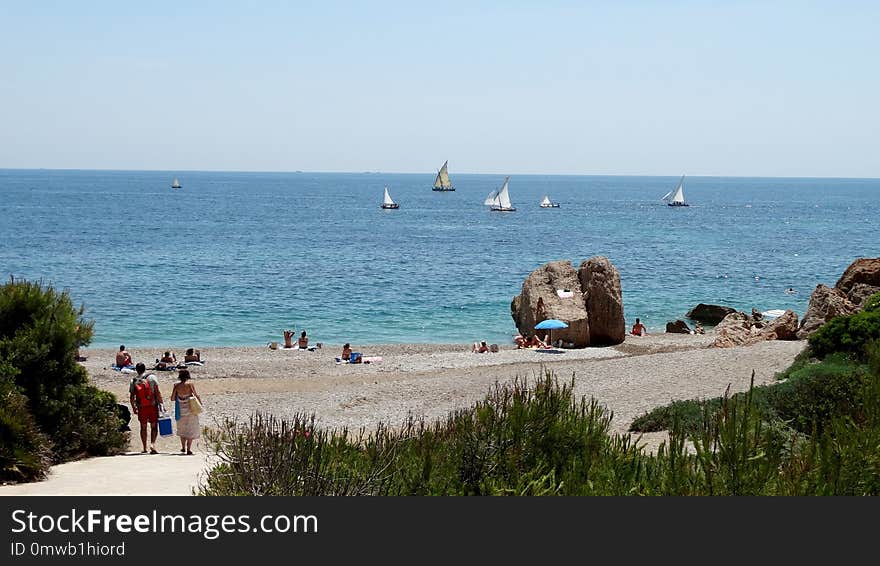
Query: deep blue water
point(235, 258)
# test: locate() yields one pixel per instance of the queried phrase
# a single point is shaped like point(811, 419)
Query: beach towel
point(371, 359)
point(194, 363)
point(126, 369)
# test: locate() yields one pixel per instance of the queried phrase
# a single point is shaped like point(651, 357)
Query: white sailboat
point(490, 200)
point(387, 202)
point(175, 184)
point(675, 197)
point(502, 200)
point(442, 182)
point(547, 203)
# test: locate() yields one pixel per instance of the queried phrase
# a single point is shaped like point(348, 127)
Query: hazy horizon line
point(297, 171)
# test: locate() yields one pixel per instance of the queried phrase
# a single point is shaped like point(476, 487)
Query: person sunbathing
point(346, 351)
point(288, 338)
point(303, 341)
point(480, 347)
point(192, 356)
point(123, 358)
point(168, 360)
point(535, 342)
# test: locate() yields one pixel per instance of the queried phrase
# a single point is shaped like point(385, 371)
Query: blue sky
point(630, 87)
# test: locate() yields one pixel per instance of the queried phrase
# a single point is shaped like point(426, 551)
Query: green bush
point(815, 394)
point(40, 332)
point(872, 304)
point(847, 333)
point(25, 452)
point(809, 395)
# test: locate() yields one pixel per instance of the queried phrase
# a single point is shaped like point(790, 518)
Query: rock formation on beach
point(709, 314)
point(741, 329)
point(603, 297)
point(678, 327)
point(589, 300)
point(860, 280)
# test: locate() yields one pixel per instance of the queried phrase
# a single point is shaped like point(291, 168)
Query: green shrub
point(25, 452)
point(872, 304)
point(40, 332)
point(847, 333)
point(817, 393)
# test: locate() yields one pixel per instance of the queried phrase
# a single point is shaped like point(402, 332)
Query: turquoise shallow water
point(234, 258)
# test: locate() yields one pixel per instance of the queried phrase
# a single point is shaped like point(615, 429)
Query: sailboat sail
point(442, 182)
point(546, 202)
point(667, 195)
point(492, 199)
point(504, 196)
point(387, 200)
point(175, 184)
point(678, 195)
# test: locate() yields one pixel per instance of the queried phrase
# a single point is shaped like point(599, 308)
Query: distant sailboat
point(675, 197)
point(175, 184)
point(502, 203)
point(547, 203)
point(442, 182)
point(387, 202)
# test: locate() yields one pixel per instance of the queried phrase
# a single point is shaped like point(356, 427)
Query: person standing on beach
point(188, 427)
point(145, 399)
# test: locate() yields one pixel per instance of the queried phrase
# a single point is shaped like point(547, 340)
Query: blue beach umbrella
point(549, 325)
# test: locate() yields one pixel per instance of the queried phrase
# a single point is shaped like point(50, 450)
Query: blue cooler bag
point(165, 424)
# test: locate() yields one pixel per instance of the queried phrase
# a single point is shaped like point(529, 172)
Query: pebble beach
point(430, 380)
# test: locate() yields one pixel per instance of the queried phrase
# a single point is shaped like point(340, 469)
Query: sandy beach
point(430, 380)
point(420, 379)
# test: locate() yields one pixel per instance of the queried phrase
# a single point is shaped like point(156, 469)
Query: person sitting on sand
point(303, 341)
point(638, 329)
point(167, 360)
point(192, 355)
point(123, 358)
point(480, 347)
point(346, 351)
point(520, 341)
point(698, 329)
point(288, 338)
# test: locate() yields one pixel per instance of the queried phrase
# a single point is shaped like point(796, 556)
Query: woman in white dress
point(188, 428)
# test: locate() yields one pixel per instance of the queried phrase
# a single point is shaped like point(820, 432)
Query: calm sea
point(235, 258)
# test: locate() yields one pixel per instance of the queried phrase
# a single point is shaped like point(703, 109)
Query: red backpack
point(143, 391)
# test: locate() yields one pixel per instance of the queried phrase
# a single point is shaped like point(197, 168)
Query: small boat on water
point(175, 184)
point(499, 201)
point(675, 197)
point(387, 203)
point(442, 182)
point(547, 203)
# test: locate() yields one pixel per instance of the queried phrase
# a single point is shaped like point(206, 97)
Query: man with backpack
point(145, 401)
